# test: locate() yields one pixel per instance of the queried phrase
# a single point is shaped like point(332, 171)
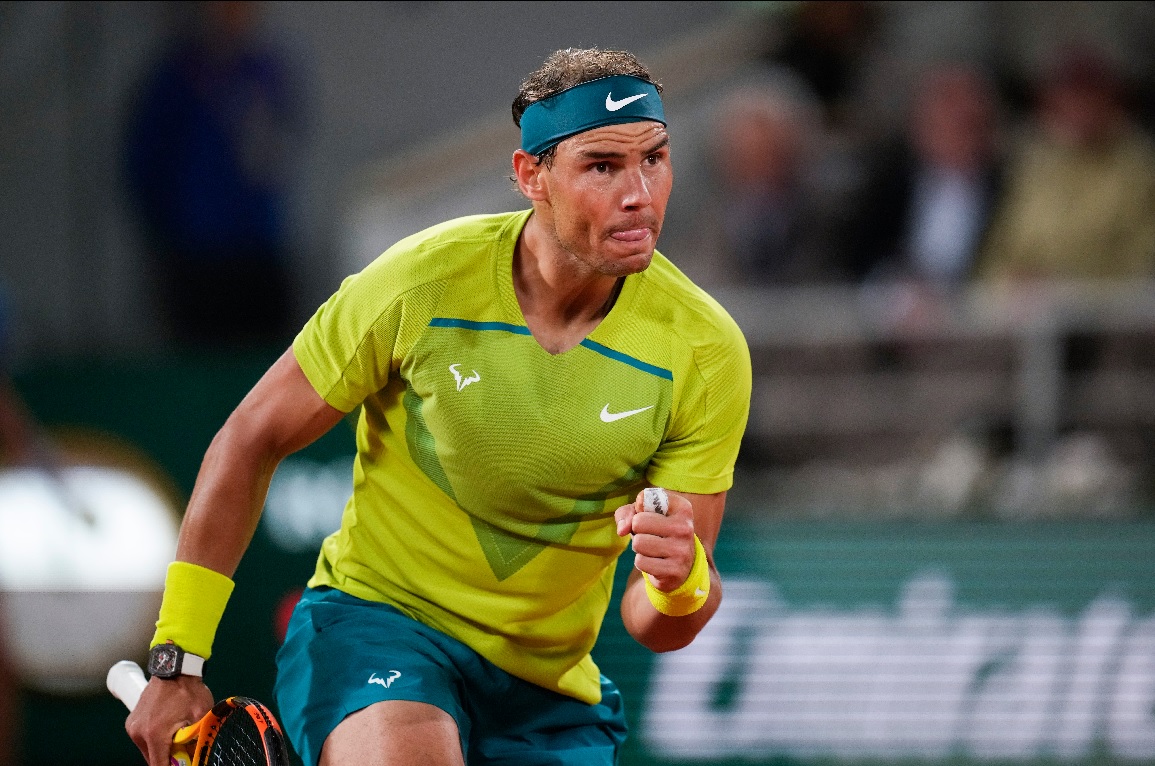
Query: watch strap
point(192, 665)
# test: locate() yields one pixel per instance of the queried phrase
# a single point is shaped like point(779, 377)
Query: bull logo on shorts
point(386, 682)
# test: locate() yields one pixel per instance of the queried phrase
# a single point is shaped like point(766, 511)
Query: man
point(930, 194)
point(521, 377)
point(1080, 186)
point(210, 138)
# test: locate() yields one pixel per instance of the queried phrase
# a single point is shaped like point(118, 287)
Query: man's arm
point(664, 549)
point(282, 414)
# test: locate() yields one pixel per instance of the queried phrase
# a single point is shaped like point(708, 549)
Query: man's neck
point(561, 298)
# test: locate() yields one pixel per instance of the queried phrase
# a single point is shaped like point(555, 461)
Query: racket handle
point(126, 682)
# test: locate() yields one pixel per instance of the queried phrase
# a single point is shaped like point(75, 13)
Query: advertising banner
point(878, 642)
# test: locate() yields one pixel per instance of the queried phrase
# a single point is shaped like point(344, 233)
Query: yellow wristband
point(691, 595)
point(194, 601)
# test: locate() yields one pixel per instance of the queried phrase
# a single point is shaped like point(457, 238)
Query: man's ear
point(528, 172)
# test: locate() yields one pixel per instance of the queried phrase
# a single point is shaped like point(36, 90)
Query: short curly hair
point(568, 67)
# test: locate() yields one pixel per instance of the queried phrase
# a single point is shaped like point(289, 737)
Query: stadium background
point(876, 612)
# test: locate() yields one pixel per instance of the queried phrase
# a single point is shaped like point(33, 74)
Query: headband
point(593, 104)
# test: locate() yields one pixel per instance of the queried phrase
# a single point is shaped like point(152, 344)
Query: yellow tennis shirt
point(487, 469)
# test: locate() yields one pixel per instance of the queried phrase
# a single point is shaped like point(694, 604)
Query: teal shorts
point(342, 654)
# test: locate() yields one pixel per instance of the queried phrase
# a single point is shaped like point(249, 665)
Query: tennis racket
point(238, 731)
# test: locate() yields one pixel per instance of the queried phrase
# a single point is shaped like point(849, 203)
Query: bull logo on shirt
point(462, 381)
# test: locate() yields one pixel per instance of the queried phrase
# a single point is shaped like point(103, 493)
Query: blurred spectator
point(17, 435)
point(206, 159)
point(1080, 200)
point(774, 229)
point(930, 194)
point(825, 42)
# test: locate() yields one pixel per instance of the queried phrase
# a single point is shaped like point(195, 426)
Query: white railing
point(880, 377)
point(1030, 326)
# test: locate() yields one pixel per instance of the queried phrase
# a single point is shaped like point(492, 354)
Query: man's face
point(606, 195)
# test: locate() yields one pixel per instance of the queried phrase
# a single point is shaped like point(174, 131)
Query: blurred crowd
point(975, 176)
point(840, 163)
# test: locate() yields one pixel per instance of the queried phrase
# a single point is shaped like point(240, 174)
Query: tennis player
point(520, 378)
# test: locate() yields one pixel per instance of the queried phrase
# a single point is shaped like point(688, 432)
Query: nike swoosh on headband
point(614, 106)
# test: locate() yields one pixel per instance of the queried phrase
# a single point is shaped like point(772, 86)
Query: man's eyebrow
point(596, 155)
point(589, 154)
point(662, 144)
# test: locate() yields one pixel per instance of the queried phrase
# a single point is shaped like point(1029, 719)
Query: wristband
point(194, 601)
point(691, 595)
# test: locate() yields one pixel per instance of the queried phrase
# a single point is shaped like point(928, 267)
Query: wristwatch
point(168, 660)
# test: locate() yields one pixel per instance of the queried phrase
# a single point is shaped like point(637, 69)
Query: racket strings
point(248, 736)
point(238, 743)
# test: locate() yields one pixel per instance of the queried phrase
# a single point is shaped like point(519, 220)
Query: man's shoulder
point(671, 298)
point(446, 250)
point(467, 231)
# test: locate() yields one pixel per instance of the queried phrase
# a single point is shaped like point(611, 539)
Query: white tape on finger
point(655, 500)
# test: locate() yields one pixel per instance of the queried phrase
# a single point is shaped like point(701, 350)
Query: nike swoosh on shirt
point(614, 106)
point(610, 417)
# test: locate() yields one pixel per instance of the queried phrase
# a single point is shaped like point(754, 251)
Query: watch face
point(163, 660)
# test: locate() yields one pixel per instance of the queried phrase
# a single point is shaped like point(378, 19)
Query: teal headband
point(594, 104)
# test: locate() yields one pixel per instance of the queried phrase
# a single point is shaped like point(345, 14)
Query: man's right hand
point(165, 706)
